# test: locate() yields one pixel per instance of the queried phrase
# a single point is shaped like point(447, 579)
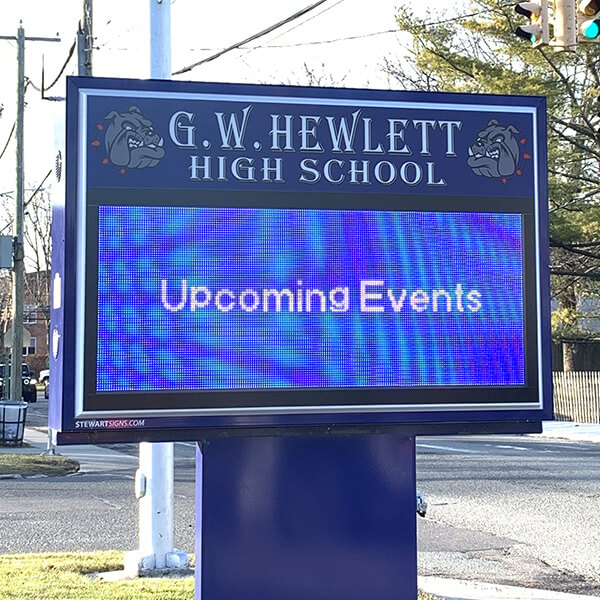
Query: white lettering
point(397, 303)
point(367, 137)
point(340, 131)
point(308, 129)
point(181, 121)
point(272, 172)
point(286, 133)
point(474, 298)
point(396, 134)
point(425, 127)
point(254, 303)
point(327, 171)
point(200, 171)
point(356, 172)
point(205, 295)
point(366, 295)
point(417, 176)
point(339, 298)
point(450, 127)
point(224, 307)
point(242, 169)
point(165, 302)
point(233, 129)
point(308, 166)
point(419, 300)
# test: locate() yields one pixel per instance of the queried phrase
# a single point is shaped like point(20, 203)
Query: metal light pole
point(155, 476)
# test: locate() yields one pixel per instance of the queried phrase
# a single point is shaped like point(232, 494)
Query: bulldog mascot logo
point(130, 140)
point(496, 152)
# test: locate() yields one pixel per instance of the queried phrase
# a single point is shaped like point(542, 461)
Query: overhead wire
point(327, 9)
point(12, 131)
point(313, 43)
point(295, 16)
point(253, 37)
point(62, 70)
point(14, 125)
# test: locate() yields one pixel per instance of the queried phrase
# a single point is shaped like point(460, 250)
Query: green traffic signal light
point(531, 33)
point(536, 31)
point(591, 29)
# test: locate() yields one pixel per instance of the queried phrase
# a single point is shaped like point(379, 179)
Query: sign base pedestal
point(328, 517)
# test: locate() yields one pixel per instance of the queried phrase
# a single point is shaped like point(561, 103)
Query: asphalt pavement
point(94, 459)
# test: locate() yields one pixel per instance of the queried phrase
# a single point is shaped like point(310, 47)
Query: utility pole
point(16, 389)
point(85, 40)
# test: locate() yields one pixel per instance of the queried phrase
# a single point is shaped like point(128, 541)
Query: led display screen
point(208, 298)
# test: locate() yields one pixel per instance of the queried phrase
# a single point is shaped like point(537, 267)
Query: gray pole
point(18, 253)
point(85, 41)
point(16, 388)
point(155, 476)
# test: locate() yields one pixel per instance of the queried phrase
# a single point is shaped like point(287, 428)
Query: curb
point(454, 589)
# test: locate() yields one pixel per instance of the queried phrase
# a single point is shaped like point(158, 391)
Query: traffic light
point(588, 21)
point(537, 32)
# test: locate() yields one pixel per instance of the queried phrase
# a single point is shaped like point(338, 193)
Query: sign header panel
point(251, 256)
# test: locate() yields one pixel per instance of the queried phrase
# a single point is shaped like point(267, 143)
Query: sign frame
point(437, 409)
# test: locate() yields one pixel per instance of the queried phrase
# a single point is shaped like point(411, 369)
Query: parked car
point(28, 383)
point(45, 380)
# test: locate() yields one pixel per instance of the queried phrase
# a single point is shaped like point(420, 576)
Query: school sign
point(236, 256)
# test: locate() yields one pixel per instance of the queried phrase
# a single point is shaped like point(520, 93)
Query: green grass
point(36, 464)
point(70, 576)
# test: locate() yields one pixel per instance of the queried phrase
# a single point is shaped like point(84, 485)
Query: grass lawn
point(69, 576)
point(36, 464)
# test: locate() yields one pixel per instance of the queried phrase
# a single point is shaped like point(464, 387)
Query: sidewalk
point(92, 459)
point(453, 589)
point(575, 432)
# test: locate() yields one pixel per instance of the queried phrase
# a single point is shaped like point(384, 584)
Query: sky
point(342, 43)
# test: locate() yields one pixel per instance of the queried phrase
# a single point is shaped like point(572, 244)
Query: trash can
point(12, 423)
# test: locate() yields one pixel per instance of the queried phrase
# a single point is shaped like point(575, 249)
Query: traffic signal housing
point(588, 21)
point(538, 29)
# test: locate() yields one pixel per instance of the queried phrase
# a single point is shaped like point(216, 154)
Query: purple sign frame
point(238, 257)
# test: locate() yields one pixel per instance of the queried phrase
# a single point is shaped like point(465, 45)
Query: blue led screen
point(197, 298)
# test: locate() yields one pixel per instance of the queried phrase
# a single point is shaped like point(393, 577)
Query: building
point(36, 318)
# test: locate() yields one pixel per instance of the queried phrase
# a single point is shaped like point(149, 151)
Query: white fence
point(577, 396)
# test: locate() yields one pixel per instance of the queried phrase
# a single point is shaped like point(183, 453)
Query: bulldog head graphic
point(131, 141)
point(495, 153)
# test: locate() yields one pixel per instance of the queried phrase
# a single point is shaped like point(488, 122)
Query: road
point(511, 509)
point(520, 510)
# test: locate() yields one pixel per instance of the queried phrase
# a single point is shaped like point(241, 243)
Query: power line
point(39, 187)
point(12, 131)
point(327, 9)
point(14, 125)
point(349, 38)
point(62, 70)
point(235, 46)
point(43, 88)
